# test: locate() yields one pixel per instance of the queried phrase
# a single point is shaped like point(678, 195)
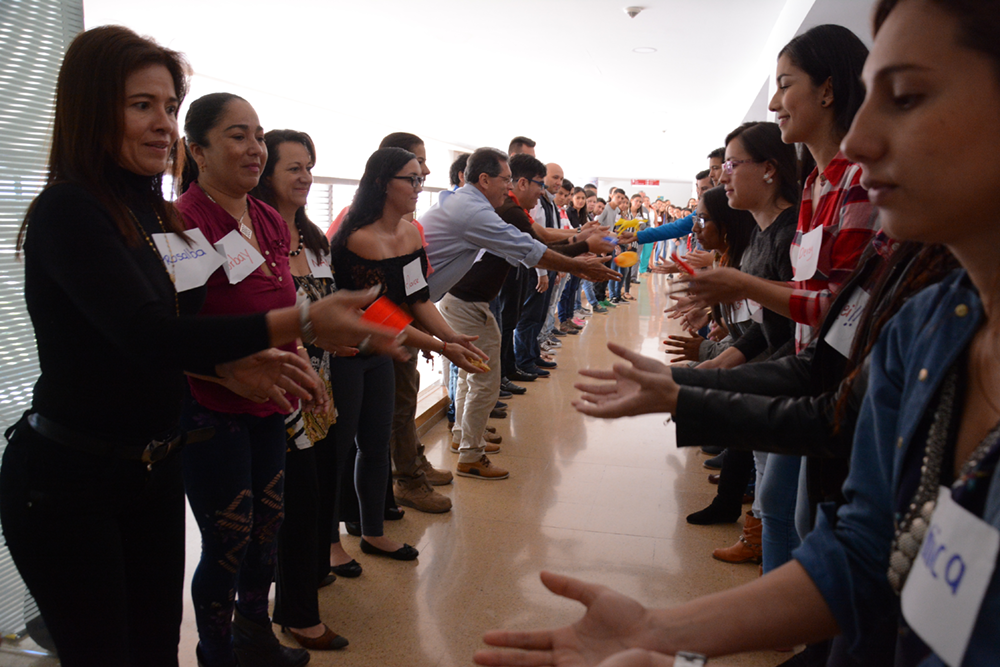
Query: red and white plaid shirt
point(849, 221)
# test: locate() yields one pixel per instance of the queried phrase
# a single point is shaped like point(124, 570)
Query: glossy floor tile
point(600, 500)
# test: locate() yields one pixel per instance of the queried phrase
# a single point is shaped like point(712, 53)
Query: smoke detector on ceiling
point(633, 11)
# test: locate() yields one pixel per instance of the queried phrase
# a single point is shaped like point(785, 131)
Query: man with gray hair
point(461, 225)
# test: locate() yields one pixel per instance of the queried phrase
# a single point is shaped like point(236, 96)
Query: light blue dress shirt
point(462, 224)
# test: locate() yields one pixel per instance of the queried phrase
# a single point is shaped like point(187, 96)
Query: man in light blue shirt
point(465, 222)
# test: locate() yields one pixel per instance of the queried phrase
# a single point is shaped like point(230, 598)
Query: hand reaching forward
point(466, 356)
point(612, 623)
point(271, 374)
point(643, 387)
point(338, 325)
point(688, 347)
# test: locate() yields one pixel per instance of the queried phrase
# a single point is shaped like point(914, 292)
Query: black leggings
point(100, 543)
point(363, 391)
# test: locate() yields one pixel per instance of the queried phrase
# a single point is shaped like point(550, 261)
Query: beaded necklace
point(168, 267)
point(911, 530)
point(297, 251)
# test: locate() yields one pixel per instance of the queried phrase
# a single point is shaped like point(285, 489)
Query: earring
point(824, 104)
point(768, 179)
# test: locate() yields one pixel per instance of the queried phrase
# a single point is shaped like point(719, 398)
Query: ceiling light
point(644, 49)
point(633, 11)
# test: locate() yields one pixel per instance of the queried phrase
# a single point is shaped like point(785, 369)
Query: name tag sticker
point(318, 266)
point(807, 258)
point(239, 258)
point(949, 577)
point(756, 311)
point(742, 311)
point(190, 265)
point(840, 336)
point(413, 277)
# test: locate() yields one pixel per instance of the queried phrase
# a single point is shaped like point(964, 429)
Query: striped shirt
point(849, 222)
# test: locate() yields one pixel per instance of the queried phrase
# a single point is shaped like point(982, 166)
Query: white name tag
point(190, 265)
point(807, 259)
point(742, 311)
point(841, 335)
point(949, 577)
point(239, 257)
point(756, 311)
point(318, 266)
point(413, 277)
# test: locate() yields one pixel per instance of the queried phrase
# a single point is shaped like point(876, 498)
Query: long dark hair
point(911, 267)
point(369, 200)
point(203, 114)
point(90, 118)
point(763, 142)
point(831, 52)
point(735, 226)
point(312, 237)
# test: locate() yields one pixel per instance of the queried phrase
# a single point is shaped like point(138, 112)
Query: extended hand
point(337, 323)
point(269, 375)
point(688, 347)
point(469, 358)
point(592, 268)
point(713, 286)
point(543, 284)
point(700, 259)
point(643, 387)
point(613, 623)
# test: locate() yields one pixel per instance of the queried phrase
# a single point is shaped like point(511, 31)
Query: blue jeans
point(235, 483)
point(568, 300)
point(590, 293)
point(778, 492)
point(615, 287)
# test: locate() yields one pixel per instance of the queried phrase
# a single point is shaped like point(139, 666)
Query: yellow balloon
point(626, 259)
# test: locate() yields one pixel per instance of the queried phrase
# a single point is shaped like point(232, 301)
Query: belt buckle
point(157, 450)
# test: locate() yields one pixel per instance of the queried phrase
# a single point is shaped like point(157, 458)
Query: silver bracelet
point(307, 334)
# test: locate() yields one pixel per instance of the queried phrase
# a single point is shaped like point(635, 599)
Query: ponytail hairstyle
point(369, 200)
point(831, 52)
point(203, 115)
point(312, 237)
point(763, 142)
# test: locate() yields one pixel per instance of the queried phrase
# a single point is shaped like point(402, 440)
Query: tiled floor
point(600, 500)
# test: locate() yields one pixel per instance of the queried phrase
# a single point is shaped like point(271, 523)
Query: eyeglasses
point(416, 181)
point(508, 181)
point(729, 165)
point(540, 184)
point(700, 222)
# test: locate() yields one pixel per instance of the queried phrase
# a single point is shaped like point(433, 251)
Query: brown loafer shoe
point(492, 437)
point(328, 641)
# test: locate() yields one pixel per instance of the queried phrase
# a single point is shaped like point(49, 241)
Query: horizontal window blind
point(34, 35)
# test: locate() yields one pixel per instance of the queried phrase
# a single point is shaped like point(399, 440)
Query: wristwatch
point(689, 659)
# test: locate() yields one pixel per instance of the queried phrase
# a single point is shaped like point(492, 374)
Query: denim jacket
point(847, 554)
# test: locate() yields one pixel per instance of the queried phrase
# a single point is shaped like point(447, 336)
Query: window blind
point(34, 35)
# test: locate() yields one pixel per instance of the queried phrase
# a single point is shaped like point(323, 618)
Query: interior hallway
point(600, 500)
point(604, 501)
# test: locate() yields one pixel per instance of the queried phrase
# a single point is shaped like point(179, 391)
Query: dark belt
point(156, 450)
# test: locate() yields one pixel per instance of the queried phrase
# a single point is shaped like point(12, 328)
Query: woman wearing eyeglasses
point(819, 92)
point(376, 246)
point(759, 176)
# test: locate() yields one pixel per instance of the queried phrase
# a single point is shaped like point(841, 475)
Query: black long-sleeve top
point(111, 346)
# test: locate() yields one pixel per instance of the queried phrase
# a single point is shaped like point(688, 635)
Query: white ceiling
point(466, 73)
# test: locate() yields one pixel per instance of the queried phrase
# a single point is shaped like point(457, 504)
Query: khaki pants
point(477, 393)
point(407, 451)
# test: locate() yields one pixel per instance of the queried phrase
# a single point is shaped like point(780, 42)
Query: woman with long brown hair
point(90, 489)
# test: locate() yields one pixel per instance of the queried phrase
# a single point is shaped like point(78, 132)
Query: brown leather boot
point(420, 496)
point(748, 548)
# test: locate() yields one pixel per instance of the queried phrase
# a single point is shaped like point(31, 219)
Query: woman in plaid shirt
point(818, 95)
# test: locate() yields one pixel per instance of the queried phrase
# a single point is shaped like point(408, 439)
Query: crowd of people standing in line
point(836, 312)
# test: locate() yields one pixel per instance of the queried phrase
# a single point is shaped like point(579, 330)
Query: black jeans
point(510, 299)
point(100, 543)
point(235, 483)
point(364, 389)
point(298, 574)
